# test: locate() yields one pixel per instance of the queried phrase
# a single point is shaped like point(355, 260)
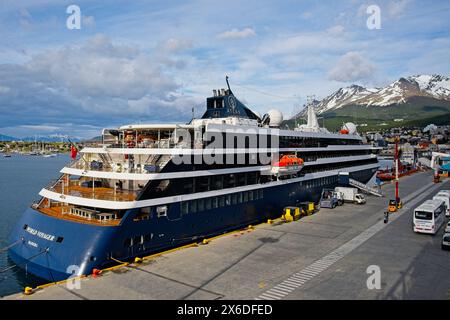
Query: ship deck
point(323, 256)
point(57, 212)
point(100, 193)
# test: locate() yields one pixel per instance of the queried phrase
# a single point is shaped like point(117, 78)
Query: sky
point(153, 61)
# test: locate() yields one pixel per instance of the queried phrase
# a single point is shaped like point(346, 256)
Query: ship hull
point(85, 247)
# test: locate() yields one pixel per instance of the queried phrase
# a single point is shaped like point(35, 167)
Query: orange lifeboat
point(288, 164)
point(344, 131)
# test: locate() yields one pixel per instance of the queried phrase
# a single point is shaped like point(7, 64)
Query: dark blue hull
point(83, 247)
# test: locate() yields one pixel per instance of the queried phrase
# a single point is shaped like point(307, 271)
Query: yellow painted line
point(43, 286)
point(115, 267)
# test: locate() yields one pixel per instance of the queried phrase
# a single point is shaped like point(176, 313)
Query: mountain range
point(50, 138)
point(414, 99)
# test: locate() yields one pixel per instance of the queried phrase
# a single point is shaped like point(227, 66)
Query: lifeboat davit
point(288, 164)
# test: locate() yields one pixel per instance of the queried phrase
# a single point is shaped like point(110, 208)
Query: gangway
point(364, 187)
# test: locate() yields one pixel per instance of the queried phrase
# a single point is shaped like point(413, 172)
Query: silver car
point(446, 241)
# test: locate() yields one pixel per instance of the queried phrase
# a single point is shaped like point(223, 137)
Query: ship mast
point(397, 198)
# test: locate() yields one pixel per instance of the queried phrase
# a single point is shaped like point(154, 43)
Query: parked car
point(447, 227)
point(445, 245)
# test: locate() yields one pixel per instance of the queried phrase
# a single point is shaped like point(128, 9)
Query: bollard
point(28, 291)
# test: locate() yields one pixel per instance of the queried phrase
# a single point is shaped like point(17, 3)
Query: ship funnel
point(312, 118)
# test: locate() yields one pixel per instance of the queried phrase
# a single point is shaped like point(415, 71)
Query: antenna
point(228, 84)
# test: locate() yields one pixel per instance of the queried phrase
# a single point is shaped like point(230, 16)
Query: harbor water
point(21, 179)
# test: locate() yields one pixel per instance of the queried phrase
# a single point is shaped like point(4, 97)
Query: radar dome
point(276, 117)
point(350, 127)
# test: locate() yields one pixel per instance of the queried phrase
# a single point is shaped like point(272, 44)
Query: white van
point(429, 216)
point(446, 200)
point(444, 195)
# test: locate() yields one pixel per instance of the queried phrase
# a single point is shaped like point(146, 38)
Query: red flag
point(73, 152)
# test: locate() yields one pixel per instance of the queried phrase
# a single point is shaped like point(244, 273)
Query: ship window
point(138, 240)
point(250, 195)
point(188, 187)
point(216, 182)
point(251, 178)
point(234, 199)
point(228, 199)
point(222, 201)
point(193, 206)
point(202, 184)
point(208, 203)
point(240, 197)
point(185, 207)
point(215, 202)
point(148, 237)
point(201, 205)
point(146, 210)
point(241, 179)
point(245, 196)
point(230, 181)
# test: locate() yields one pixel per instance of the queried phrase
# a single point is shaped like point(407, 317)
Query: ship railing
point(162, 144)
point(97, 193)
point(150, 165)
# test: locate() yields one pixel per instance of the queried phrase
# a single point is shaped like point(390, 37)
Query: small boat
point(7, 155)
point(288, 164)
point(52, 155)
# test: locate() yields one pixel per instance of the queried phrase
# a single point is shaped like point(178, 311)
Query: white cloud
point(352, 66)
point(50, 128)
point(336, 30)
point(237, 34)
point(309, 42)
point(176, 45)
point(397, 8)
point(96, 83)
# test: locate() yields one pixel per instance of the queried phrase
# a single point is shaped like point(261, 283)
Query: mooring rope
point(10, 246)
point(27, 260)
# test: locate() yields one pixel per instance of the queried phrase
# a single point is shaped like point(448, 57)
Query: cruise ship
point(151, 187)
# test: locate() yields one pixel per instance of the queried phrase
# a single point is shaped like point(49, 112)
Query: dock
point(323, 256)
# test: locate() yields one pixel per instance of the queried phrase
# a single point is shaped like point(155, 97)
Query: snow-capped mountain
point(396, 93)
point(342, 97)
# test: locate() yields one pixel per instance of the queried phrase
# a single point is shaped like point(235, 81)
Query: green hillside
point(417, 111)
